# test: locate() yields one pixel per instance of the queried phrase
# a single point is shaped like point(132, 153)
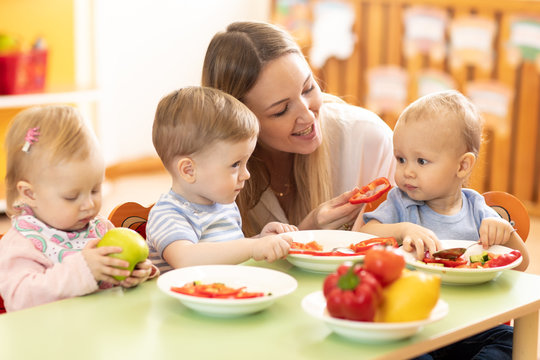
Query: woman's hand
point(333, 214)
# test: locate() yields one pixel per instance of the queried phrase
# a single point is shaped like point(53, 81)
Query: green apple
point(134, 247)
point(7, 43)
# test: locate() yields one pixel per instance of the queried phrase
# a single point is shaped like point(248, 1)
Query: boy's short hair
point(449, 105)
point(193, 118)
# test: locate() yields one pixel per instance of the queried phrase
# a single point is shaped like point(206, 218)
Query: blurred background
point(116, 58)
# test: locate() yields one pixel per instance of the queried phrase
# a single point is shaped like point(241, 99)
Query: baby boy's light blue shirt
point(464, 225)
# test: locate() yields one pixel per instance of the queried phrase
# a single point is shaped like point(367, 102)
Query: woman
point(313, 149)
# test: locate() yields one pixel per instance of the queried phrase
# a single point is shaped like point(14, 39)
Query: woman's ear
point(466, 165)
point(186, 169)
point(26, 192)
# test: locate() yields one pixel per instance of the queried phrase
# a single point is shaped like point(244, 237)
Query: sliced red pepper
point(218, 290)
point(215, 290)
point(363, 246)
point(312, 245)
point(503, 260)
point(371, 191)
point(446, 262)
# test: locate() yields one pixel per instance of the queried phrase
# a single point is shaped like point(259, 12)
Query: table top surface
point(145, 323)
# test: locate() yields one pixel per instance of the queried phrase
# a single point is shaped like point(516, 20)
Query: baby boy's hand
point(275, 227)
point(495, 231)
point(271, 248)
point(420, 239)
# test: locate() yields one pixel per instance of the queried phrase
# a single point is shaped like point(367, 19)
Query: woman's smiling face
point(286, 100)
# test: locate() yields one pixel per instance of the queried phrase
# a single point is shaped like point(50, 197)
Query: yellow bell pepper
point(409, 298)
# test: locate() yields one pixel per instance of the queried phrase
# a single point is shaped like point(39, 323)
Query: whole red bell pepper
point(371, 191)
point(503, 259)
point(352, 293)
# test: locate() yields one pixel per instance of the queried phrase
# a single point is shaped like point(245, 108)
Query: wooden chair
point(2, 307)
point(510, 208)
point(131, 215)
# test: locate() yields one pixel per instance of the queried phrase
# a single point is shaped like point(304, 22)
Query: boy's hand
point(139, 275)
point(103, 267)
point(495, 231)
point(271, 248)
point(419, 238)
point(275, 227)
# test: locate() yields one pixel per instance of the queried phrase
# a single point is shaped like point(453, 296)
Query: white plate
point(369, 332)
point(256, 279)
point(463, 276)
point(329, 239)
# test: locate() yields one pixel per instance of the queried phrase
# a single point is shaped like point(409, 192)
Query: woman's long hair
point(233, 63)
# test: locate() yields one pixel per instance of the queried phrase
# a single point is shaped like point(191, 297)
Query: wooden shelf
point(51, 96)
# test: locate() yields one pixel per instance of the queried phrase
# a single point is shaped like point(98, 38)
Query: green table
point(143, 323)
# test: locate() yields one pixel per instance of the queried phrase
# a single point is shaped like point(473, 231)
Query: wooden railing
point(510, 156)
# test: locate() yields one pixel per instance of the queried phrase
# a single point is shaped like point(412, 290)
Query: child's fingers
point(106, 250)
point(92, 243)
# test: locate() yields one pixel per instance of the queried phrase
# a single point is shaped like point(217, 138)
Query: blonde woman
point(313, 150)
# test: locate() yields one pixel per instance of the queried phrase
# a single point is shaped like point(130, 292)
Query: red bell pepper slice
point(363, 246)
point(371, 191)
point(446, 262)
point(215, 291)
point(503, 260)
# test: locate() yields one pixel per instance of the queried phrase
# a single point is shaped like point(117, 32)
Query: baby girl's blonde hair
point(61, 135)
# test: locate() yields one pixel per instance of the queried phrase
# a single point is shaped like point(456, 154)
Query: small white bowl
point(369, 332)
point(272, 282)
point(329, 239)
point(463, 276)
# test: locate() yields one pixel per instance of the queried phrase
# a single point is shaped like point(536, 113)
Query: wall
point(510, 157)
point(51, 20)
point(145, 49)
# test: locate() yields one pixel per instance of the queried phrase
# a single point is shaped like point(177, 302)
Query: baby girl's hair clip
point(30, 138)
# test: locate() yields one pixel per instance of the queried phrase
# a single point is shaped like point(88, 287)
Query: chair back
point(2, 307)
point(510, 208)
point(131, 215)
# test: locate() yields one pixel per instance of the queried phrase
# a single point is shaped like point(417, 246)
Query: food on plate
point(381, 290)
point(484, 260)
point(371, 192)
point(312, 245)
point(363, 246)
point(360, 248)
point(216, 291)
point(134, 247)
point(352, 293)
point(409, 298)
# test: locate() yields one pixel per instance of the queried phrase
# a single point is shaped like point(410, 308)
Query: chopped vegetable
point(360, 248)
point(215, 290)
point(484, 260)
point(371, 191)
point(363, 246)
